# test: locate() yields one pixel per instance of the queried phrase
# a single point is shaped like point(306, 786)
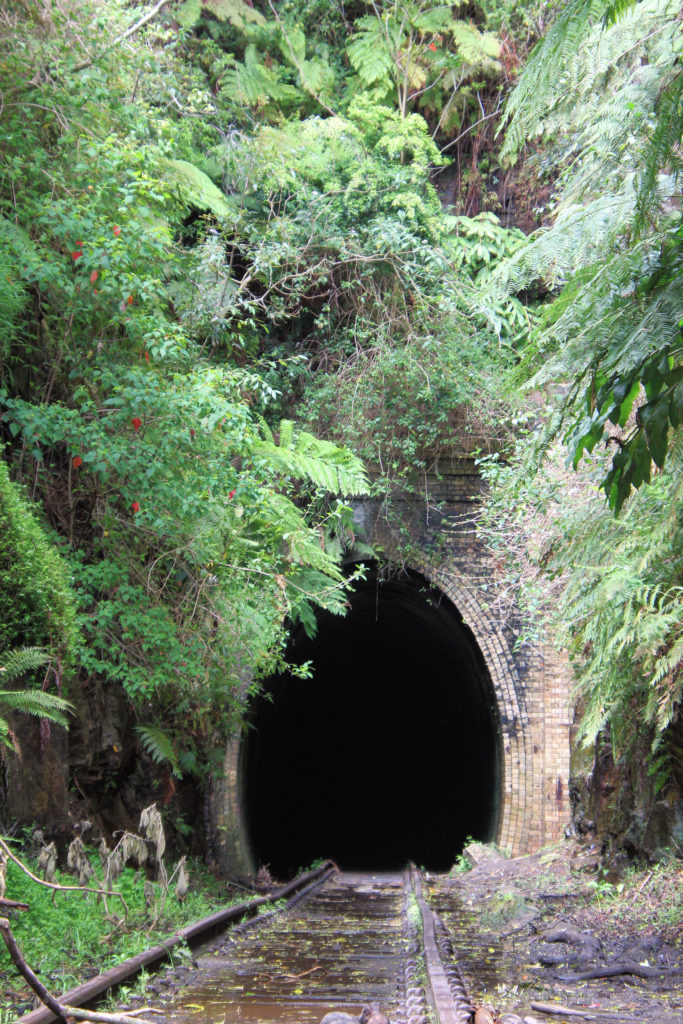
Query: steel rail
point(446, 989)
point(153, 958)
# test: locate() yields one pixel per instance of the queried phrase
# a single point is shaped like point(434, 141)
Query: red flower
point(129, 300)
point(117, 231)
point(192, 431)
point(135, 505)
point(137, 423)
point(231, 495)
point(77, 461)
point(147, 356)
point(76, 255)
point(432, 46)
point(94, 275)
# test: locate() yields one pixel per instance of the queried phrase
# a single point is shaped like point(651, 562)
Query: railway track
point(355, 940)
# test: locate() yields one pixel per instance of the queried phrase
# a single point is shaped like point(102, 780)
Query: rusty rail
point(446, 989)
point(88, 993)
point(430, 986)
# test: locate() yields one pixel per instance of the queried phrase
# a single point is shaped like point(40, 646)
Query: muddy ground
point(527, 929)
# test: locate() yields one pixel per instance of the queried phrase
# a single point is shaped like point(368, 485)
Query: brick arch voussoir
point(517, 781)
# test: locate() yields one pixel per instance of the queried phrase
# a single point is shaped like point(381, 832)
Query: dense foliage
point(211, 220)
point(68, 936)
point(231, 294)
point(123, 399)
point(603, 89)
point(36, 602)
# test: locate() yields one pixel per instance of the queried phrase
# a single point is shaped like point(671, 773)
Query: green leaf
point(237, 12)
point(189, 13)
point(197, 189)
point(654, 418)
point(159, 746)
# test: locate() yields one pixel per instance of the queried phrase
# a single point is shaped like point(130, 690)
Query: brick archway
point(531, 685)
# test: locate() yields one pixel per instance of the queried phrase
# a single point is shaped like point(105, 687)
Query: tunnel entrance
point(390, 752)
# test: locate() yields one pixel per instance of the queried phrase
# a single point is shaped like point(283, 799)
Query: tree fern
point(370, 52)
point(542, 79)
point(197, 189)
point(237, 12)
point(622, 607)
point(250, 83)
point(664, 147)
point(606, 88)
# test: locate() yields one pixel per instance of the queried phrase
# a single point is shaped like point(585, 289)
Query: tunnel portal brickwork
point(434, 534)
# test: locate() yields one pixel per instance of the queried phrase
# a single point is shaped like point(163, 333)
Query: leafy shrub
point(36, 601)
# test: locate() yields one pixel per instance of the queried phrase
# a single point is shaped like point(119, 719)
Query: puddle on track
point(339, 949)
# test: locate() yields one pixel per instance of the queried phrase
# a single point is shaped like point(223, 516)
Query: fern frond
point(537, 88)
point(197, 189)
point(582, 51)
point(664, 147)
point(480, 50)
point(189, 13)
point(369, 52)
point(302, 456)
point(159, 745)
point(434, 19)
point(286, 433)
point(237, 12)
point(251, 83)
point(38, 703)
point(16, 663)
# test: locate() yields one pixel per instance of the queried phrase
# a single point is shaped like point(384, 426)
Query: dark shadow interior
point(390, 752)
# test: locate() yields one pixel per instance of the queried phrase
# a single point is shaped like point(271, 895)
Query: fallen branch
point(61, 1011)
point(567, 1011)
point(630, 967)
point(124, 1017)
point(295, 977)
point(27, 974)
point(61, 888)
point(12, 904)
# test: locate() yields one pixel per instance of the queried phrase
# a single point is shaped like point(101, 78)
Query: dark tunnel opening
point(390, 752)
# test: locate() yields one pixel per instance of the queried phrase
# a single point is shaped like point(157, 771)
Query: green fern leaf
point(14, 664)
point(189, 13)
point(36, 702)
point(286, 433)
point(159, 746)
point(237, 12)
point(302, 456)
point(198, 190)
point(478, 49)
point(369, 53)
point(436, 19)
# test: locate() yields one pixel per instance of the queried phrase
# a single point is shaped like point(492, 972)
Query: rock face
point(37, 782)
point(623, 805)
point(96, 771)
